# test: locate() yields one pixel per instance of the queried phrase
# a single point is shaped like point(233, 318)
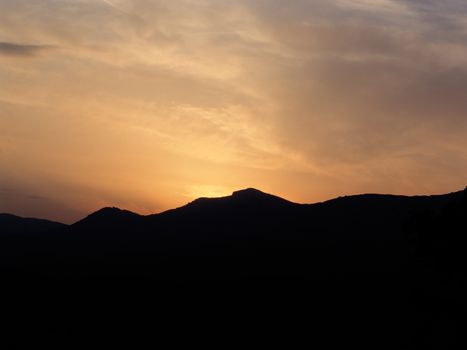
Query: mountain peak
point(249, 192)
point(107, 215)
point(109, 210)
point(256, 196)
point(246, 198)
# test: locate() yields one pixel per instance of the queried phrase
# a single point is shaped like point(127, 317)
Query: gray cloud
point(22, 50)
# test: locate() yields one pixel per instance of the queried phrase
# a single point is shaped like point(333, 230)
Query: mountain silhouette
point(252, 213)
point(377, 271)
point(107, 219)
point(12, 224)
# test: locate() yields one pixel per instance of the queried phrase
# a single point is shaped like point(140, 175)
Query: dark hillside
point(376, 271)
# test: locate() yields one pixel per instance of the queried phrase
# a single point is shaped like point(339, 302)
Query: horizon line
point(232, 195)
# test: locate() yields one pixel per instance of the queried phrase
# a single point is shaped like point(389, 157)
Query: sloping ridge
point(248, 200)
point(257, 195)
point(109, 218)
point(12, 224)
point(251, 207)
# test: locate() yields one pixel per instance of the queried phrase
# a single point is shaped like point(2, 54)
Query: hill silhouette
point(12, 224)
point(251, 214)
point(372, 270)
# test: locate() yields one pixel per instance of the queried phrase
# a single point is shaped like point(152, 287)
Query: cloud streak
point(22, 50)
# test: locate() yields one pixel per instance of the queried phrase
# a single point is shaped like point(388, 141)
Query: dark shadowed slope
point(374, 271)
point(253, 214)
point(362, 233)
point(250, 200)
point(375, 216)
point(113, 220)
point(245, 214)
point(11, 224)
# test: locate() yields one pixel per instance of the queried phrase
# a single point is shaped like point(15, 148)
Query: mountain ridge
point(12, 224)
point(247, 194)
point(253, 214)
point(374, 261)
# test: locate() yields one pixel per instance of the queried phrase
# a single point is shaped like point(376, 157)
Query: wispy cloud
point(117, 7)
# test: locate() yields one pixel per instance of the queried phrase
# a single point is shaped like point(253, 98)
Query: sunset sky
point(149, 104)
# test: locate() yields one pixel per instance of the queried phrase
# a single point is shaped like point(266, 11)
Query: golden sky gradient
point(148, 104)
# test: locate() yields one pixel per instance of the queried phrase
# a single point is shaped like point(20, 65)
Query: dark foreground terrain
point(248, 270)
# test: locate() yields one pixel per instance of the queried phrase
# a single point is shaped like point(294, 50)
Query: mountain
point(249, 200)
point(374, 271)
point(253, 214)
point(237, 236)
point(11, 224)
point(108, 219)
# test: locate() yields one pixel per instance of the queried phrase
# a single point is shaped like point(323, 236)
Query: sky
point(149, 104)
